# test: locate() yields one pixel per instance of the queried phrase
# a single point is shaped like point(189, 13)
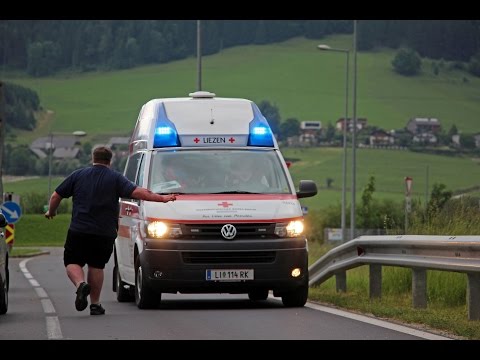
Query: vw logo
point(228, 231)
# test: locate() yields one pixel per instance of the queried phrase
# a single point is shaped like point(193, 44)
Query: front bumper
point(181, 265)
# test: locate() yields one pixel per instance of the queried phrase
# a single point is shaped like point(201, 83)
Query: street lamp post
point(354, 133)
point(344, 162)
point(51, 148)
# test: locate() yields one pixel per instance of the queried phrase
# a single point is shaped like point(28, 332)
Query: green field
point(302, 81)
point(389, 168)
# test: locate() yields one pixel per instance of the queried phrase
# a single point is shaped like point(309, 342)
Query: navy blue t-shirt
point(96, 191)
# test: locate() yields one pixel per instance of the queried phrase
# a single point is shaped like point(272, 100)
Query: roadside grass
point(24, 251)
point(446, 297)
point(35, 230)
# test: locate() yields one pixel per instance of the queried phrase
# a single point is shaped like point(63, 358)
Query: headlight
point(159, 229)
point(292, 229)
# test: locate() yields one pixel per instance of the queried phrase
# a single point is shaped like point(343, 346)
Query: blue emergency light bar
point(260, 133)
point(165, 132)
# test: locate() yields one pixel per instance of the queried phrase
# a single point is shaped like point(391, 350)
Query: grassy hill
point(305, 83)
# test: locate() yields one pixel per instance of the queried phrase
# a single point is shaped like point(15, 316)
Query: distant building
point(361, 124)
point(425, 138)
point(477, 140)
point(456, 140)
point(423, 125)
point(381, 137)
point(310, 132)
point(65, 146)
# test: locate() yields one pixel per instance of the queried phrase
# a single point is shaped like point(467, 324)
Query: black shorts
point(91, 249)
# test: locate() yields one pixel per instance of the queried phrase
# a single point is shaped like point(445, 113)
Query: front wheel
point(297, 297)
point(145, 297)
point(123, 294)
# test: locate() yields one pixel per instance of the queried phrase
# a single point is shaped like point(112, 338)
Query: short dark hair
point(102, 155)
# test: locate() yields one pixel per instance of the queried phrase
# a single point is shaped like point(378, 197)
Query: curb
point(30, 255)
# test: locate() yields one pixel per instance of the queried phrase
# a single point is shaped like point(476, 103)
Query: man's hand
point(170, 197)
point(49, 216)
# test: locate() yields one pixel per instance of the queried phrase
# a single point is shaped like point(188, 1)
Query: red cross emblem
point(225, 204)
point(232, 140)
point(196, 140)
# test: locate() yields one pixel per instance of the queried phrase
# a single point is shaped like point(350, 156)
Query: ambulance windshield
point(218, 171)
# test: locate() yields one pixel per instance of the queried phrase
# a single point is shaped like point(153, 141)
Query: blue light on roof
point(260, 133)
point(165, 132)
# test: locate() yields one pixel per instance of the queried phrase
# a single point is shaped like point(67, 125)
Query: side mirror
point(3, 221)
point(307, 188)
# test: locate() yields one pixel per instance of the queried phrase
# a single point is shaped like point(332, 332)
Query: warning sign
point(10, 234)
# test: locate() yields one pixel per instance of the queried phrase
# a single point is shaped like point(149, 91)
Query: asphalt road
point(42, 307)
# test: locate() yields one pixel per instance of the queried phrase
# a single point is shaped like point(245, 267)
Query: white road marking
point(47, 306)
point(34, 282)
point(54, 331)
point(377, 322)
point(40, 292)
point(53, 328)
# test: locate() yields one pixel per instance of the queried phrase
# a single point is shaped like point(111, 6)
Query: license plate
point(229, 274)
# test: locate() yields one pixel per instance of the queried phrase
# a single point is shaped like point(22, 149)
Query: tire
point(123, 295)
point(3, 296)
point(145, 297)
point(258, 295)
point(296, 298)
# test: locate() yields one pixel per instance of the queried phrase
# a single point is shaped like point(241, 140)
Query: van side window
point(132, 167)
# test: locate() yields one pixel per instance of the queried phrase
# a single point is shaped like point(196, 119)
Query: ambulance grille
point(228, 257)
point(244, 231)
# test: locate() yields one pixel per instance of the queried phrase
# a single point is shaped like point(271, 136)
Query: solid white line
point(54, 331)
point(23, 268)
point(40, 292)
point(53, 328)
point(47, 306)
point(377, 322)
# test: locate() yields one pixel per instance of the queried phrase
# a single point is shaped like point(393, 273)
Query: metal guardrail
point(419, 252)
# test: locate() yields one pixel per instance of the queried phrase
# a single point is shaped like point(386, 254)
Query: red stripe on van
point(124, 231)
point(236, 197)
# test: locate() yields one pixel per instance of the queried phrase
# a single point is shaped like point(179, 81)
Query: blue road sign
point(12, 211)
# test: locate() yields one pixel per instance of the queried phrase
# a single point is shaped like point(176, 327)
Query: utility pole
point(199, 56)
point(354, 132)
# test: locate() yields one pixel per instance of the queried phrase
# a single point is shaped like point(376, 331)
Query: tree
point(453, 131)
point(290, 127)
point(272, 114)
point(438, 198)
point(467, 141)
point(43, 58)
point(365, 211)
point(474, 65)
point(2, 132)
point(330, 133)
point(407, 62)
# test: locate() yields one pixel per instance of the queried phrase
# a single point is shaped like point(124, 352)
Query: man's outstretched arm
point(145, 194)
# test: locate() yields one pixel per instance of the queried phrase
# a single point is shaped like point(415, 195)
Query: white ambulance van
point(237, 224)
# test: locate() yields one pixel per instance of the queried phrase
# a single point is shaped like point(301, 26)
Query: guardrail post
point(341, 281)
point(375, 281)
point(419, 288)
point(473, 296)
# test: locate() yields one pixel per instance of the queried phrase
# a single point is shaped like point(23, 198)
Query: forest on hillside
point(42, 47)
